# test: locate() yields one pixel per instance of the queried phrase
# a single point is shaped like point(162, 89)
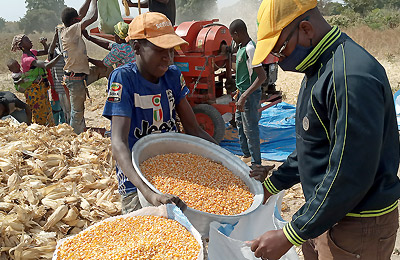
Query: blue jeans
point(58, 113)
point(247, 125)
point(77, 96)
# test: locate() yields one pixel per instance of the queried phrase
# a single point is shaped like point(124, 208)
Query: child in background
point(58, 113)
point(78, 74)
point(57, 73)
point(144, 97)
point(22, 81)
point(248, 82)
point(15, 68)
point(120, 53)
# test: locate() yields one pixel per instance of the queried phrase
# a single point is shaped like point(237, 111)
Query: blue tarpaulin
point(277, 133)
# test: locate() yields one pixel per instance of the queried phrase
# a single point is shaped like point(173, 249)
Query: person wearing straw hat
point(347, 146)
point(120, 53)
point(145, 97)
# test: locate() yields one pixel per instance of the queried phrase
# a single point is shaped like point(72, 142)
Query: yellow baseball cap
point(273, 16)
point(156, 28)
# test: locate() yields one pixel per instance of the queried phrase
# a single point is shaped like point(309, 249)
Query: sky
point(15, 9)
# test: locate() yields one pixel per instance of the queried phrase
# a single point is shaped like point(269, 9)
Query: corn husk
point(53, 184)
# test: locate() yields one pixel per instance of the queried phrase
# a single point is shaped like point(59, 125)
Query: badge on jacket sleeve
point(306, 123)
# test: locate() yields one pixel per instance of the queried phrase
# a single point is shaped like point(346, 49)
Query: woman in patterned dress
point(37, 96)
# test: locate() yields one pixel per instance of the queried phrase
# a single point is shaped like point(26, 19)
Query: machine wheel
point(210, 120)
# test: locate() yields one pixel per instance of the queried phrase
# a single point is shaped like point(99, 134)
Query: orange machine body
point(202, 60)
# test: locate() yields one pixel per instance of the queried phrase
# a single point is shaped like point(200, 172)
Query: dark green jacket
point(347, 143)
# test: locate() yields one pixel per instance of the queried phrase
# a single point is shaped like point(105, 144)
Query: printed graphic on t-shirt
point(171, 101)
point(154, 102)
point(115, 92)
point(146, 129)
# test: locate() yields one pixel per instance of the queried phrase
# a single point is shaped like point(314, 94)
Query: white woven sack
point(229, 241)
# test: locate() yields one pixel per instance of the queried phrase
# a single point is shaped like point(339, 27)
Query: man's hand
point(160, 199)
point(272, 245)
point(260, 172)
point(240, 103)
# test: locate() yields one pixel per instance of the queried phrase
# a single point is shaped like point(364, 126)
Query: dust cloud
point(242, 9)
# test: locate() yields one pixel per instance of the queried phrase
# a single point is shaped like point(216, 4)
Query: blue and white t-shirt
point(151, 107)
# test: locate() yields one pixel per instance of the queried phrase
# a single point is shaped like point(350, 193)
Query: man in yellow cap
point(144, 98)
point(347, 144)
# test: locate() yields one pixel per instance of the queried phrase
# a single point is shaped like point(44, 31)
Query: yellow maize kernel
point(201, 183)
point(141, 237)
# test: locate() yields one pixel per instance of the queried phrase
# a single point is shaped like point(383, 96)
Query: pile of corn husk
point(53, 184)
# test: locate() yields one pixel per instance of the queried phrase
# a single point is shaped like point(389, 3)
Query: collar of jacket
point(320, 51)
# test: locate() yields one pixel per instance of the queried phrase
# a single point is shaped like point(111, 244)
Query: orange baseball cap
point(273, 16)
point(156, 28)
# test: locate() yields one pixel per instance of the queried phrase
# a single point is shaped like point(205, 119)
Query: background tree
point(55, 5)
point(364, 6)
point(39, 20)
point(41, 15)
point(393, 4)
point(188, 10)
point(2, 23)
point(328, 7)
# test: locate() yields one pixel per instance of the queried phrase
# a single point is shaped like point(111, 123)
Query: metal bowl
point(156, 144)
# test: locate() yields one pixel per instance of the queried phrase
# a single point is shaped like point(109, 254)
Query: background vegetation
point(44, 15)
point(376, 14)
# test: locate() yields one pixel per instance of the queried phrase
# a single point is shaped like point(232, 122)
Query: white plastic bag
point(228, 241)
point(169, 211)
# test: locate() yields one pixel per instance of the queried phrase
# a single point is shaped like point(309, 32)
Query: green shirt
point(245, 75)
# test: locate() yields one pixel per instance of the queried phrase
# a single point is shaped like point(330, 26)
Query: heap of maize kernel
point(201, 183)
point(140, 237)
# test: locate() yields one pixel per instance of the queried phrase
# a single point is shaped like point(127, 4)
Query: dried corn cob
point(47, 174)
point(57, 215)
